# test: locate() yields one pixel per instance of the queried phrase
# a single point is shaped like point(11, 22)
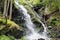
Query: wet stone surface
point(41, 39)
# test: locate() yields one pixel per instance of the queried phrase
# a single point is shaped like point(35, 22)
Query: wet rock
point(49, 27)
point(41, 39)
point(15, 33)
point(36, 8)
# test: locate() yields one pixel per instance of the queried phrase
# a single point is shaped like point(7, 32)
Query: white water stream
point(29, 24)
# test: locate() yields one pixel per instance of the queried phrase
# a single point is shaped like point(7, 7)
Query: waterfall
point(29, 24)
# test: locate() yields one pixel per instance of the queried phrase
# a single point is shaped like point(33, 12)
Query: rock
point(49, 27)
point(41, 39)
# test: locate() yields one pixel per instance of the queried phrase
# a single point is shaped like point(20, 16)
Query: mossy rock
point(11, 28)
point(9, 23)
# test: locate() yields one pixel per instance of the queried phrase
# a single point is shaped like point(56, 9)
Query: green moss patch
point(3, 37)
point(9, 23)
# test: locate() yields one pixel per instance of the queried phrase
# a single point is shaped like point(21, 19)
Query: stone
point(41, 39)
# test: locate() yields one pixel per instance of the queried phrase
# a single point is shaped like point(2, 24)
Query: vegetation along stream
point(29, 19)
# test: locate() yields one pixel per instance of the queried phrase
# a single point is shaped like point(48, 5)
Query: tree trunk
point(5, 7)
point(10, 16)
point(8, 5)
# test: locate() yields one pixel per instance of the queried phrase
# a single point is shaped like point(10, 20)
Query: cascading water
point(29, 24)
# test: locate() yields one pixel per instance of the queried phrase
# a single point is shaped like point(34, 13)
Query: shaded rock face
point(17, 15)
point(12, 32)
point(36, 8)
point(15, 33)
point(38, 25)
point(41, 39)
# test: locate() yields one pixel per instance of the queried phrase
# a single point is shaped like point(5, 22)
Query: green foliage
point(22, 2)
point(52, 4)
point(55, 22)
point(33, 2)
point(36, 2)
point(23, 38)
point(46, 2)
point(3, 37)
point(2, 21)
point(2, 26)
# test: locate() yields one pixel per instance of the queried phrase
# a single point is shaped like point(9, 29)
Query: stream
point(34, 35)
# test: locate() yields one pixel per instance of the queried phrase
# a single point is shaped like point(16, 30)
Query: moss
point(6, 26)
point(27, 2)
point(2, 21)
point(10, 28)
point(10, 23)
point(3, 37)
point(2, 26)
point(13, 24)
